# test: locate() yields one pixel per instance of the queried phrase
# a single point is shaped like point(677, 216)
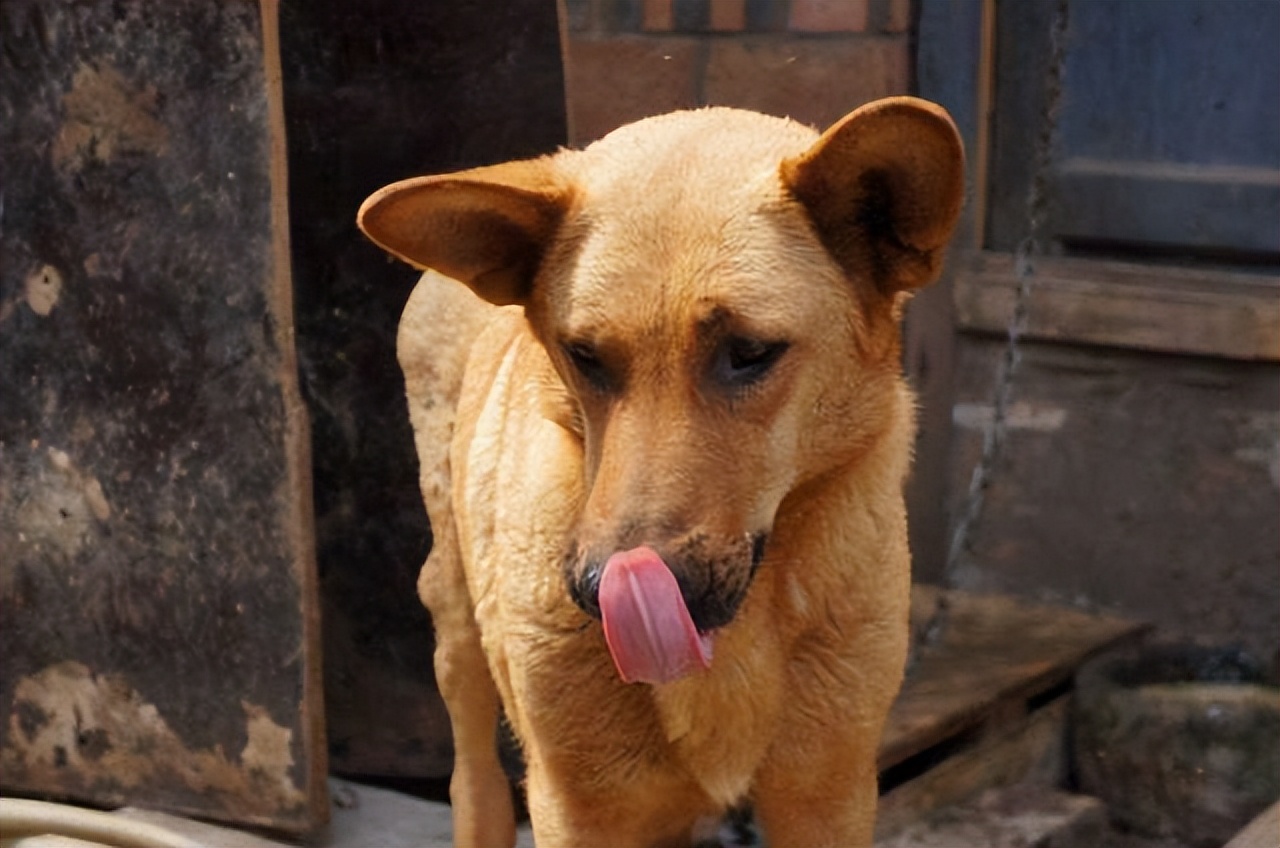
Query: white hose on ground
point(21, 818)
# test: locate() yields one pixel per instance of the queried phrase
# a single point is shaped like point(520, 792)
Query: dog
point(656, 393)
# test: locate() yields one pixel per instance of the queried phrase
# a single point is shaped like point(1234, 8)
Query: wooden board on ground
point(1031, 751)
point(993, 660)
point(157, 602)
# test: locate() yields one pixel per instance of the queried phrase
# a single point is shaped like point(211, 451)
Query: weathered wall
point(1142, 467)
point(1139, 482)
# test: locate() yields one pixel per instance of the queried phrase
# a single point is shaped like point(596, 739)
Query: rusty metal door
point(158, 608)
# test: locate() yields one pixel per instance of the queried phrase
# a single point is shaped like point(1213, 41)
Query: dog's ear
point(487, 227)
point(884, 187)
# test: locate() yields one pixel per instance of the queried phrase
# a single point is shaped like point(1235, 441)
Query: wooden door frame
point(954, 46)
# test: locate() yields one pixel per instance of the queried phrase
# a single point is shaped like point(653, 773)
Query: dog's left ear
point(884, 187)
point(487, 227)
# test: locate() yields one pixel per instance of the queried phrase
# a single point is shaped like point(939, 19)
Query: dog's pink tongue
point(648, 628)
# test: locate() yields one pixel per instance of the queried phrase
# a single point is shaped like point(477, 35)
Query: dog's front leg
point(654, 811)
point(829, 800)
point(817, 785)
point(483, 814)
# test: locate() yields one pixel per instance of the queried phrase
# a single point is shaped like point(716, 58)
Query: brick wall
point(812, 60)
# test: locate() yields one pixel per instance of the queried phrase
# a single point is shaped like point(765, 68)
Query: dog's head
point(720, 293)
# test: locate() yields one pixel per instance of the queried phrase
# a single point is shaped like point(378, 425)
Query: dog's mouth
point(653, 634)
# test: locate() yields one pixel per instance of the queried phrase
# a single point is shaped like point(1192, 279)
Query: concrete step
point(1022, 816)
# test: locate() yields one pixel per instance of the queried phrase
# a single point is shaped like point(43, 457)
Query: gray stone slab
point(1028, 816)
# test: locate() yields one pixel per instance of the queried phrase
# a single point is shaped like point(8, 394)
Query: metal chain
point(993, 437)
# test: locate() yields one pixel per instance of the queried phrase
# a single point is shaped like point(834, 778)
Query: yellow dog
point(656, 393)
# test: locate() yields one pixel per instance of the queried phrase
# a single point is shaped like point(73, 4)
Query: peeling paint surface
point(43, 288)
point(66, 720)
point(60, 516)
point(105, 117)
point(1258, 440)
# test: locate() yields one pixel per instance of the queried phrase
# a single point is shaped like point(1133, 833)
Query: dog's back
point(438, 328)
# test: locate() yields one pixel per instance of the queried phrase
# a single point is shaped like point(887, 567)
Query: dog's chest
point(721, 724)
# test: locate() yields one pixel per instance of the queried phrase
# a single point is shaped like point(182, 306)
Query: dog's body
point(687, 350)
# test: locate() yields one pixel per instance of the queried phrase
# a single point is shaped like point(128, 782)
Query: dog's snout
point(713, 580)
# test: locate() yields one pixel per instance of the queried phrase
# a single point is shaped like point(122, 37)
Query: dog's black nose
point(584, 587)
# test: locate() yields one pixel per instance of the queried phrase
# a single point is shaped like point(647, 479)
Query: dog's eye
point(742, 361)
point(588, 364)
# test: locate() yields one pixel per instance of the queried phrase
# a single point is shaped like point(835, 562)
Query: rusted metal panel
point(157, 608)
point(375, 91)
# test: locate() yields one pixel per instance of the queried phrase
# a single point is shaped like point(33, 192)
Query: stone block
point(829, 15)
point(1179, 740)
point(1025, 816)
point(815, 81)
point(616, 80)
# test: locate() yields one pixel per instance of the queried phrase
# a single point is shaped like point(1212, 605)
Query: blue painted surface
point(1169, 132)
point(1189, 81)
point(1167, 135)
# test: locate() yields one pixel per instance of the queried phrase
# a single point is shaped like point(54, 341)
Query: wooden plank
point(952, 70)
point(1023, 52)
point(1158, 132)
point(1031, 749)
point(993, 652)
point(1147, 307)
point(157, 577)
point(1130, 98)
point(979, 151)
point(1101, 202)
point(1143, 483)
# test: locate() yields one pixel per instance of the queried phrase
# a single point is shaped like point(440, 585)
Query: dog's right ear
point(487, 227)
point(884, 187)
